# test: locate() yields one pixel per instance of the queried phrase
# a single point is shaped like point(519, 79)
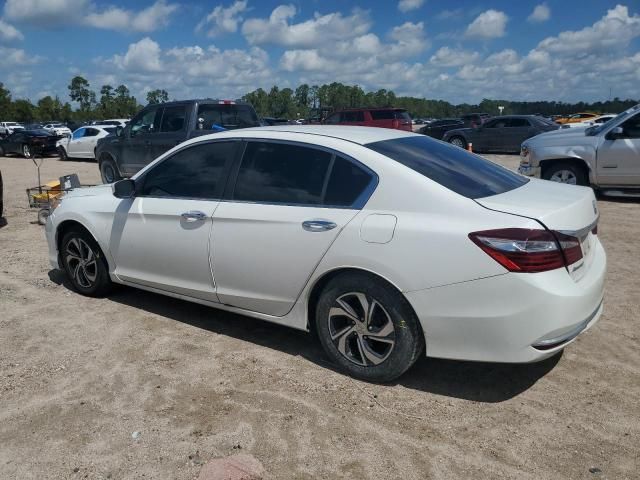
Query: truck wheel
point(63, 154)
point(109, 171)
point(564, 172)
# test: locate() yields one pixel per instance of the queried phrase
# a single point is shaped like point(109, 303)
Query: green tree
point(79, 92)
point(24, 111)
point(157, 96)
point(6, 105)
point(106, 105)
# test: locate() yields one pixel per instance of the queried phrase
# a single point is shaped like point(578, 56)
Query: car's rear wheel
point(26, 151)
point(458, 142)
point(109, 171)
point(568, 173)
point(84, 264)
point(367, 327)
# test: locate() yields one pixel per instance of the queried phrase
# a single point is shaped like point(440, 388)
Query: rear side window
point(518, 122)
point(347, 183)
point(382, 114)
point(212, 116)
point(402, 115)
point(454, 168)
point(195, 172)
point(352, 117)
point(173, 118)
point(282, 173)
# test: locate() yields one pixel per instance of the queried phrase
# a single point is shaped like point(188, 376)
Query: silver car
point(606, 156)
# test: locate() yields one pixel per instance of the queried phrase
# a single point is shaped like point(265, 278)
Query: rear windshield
point(227, 116)
point(452, 167)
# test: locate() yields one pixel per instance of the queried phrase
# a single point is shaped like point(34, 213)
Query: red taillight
point(226, 102)
point(526, 250)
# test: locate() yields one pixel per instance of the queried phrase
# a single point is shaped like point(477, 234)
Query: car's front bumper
point(515, 317)
point(50, 234)
point(529, 170)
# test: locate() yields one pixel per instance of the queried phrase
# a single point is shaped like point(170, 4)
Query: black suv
point(158, 128)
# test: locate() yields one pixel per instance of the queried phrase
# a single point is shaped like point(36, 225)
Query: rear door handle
point(318, 225)
point(193, 216)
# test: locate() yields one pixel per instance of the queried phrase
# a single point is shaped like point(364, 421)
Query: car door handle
point(318, 225)
point(193, 216)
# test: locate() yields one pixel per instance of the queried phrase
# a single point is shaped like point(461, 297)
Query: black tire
point(1, 151)
point(108, 170)
point(1, 196)
point(26, 151)
point(458, 141)
point(365, 351)
point(43, 214)
point(87, 272)
point(573, 173)
point(63, 154)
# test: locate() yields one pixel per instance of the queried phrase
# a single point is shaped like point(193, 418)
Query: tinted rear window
point(382, 114)
point(452, 167)
point(227, 116)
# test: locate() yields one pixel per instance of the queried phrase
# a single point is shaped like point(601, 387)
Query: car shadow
point(3, 222)
point(475, 381)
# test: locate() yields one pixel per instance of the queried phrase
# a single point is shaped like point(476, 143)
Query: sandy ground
point(78, 376)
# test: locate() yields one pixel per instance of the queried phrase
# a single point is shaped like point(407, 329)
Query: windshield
point(109, 129)
point(452, 167)
point(226, 116)
point(596, 129)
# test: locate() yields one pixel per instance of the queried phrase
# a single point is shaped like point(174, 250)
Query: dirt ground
point(79, 376)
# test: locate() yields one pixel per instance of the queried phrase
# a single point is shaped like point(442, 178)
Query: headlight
point(524, 152)
point(55, 202)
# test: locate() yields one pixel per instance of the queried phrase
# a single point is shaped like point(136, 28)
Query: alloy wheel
point(564, 176)
point(26, 151)
point(457, 142)
point(361, 329)
point(82, 262)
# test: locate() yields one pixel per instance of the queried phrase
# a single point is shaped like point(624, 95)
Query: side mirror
point(125, 188)
point(119, 130)
point(615, 133)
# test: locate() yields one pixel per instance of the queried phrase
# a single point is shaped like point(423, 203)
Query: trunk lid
point(568, 209)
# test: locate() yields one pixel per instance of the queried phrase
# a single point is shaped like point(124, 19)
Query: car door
point(518, 130)
point(135, 149)
point(12, 143)
point(160, 238)
point(490, 136)
point(71, 144)
point(288, 204)
point(618, 159)
point(83, 147)
point(173, 130)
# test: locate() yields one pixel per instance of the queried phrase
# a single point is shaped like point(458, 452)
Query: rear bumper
point(513, 317)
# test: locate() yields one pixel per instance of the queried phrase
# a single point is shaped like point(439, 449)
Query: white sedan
point(82, 144)
point(58, 129)
point(391, 245)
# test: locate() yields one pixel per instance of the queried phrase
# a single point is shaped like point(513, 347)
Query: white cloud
point(449, 57)
point(17, 57)
point(541, 13)
point(451, 13)
point(57, 13)
point(310, 33)
point(143, 56)
point(615, 29)
point(407, 5)
point(46, 13)
point(9, 33)
point(149, 19)
point(223, 20)
point(209, 71)
point(489, 24)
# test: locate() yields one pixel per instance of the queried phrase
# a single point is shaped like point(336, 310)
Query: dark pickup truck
point(158, 128)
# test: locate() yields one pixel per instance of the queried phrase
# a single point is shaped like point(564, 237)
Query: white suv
point(7, 128)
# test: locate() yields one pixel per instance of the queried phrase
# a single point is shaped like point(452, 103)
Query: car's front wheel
point(569, 173)
point(458, 142)
point(109, 170)
point(368, 328)
point(84, 264)
point(26, 151)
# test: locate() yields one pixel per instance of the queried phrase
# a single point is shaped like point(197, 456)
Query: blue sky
point(459, 51)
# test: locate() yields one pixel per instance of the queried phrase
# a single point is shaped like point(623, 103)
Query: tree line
point(302, 102)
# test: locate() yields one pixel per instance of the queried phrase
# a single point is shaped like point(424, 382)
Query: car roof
point(217, 101)
point(354, 134)
point(368, 109)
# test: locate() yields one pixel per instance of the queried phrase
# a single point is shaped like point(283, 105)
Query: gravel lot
point(78, 376)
